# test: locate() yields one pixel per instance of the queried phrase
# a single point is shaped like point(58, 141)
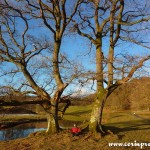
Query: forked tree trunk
point(52, 117)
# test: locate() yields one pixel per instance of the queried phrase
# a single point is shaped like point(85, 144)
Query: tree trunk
point(111, 48)
point(110, 66)
point(95, 114)
point(52, 116)
point(52, 126)
point(99, 67)
point(94, 125)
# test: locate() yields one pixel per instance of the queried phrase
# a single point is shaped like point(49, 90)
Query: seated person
point(75, 130)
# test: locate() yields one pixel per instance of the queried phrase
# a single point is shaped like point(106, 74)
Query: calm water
point(21, 131)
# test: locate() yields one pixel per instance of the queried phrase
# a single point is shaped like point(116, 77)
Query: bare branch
point(44, 18)
point(134, 41)
point(133, 70)
point(134, 22)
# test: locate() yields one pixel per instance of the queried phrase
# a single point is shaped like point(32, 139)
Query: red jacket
point(75, 130)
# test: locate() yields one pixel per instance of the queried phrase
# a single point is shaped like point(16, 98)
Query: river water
point(14, 133)
point(22, 130)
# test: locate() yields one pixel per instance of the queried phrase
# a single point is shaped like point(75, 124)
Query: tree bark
point(99, 67)
point(56, 71)
point(94, 125)
point(110, 66)
point(95, 114)
point(52, 126)
point(111, 47)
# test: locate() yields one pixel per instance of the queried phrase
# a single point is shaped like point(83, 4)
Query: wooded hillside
point(133, 95)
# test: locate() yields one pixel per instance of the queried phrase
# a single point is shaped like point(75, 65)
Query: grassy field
point(126, 127)
point(119, 122)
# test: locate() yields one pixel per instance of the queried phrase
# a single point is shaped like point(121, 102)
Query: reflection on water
point(19, 131)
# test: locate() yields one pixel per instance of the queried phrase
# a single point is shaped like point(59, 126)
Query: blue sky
point(77, 48)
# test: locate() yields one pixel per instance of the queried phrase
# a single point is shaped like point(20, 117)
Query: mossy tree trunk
point(95, 124)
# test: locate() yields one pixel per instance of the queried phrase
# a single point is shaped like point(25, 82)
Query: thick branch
point(136, 42)
point(43, 17)
point(84, 34)
point(119, 19)
point(133, 70)
point(133, 23)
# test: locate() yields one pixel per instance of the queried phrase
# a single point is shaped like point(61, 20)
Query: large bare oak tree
point(55, 16)
point(115, 21)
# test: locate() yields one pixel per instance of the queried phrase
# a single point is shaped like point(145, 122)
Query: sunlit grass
point(78, 113)
point(78, 109)
point(121, 119)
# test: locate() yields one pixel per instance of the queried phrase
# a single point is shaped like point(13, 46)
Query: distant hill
point(133, 95)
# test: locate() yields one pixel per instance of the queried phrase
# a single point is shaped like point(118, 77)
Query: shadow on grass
point(138, 116)
point(76, 113)
point(128, 126)
point(117, 116)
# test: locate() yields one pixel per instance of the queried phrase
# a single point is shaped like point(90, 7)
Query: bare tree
point(55, 16)
point(98, 20)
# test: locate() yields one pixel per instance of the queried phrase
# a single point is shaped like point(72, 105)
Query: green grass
point(125, 124)
point(78, 109)
point(126, 127)
point(78, 113)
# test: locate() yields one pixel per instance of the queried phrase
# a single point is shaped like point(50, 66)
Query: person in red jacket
point(75, 130)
